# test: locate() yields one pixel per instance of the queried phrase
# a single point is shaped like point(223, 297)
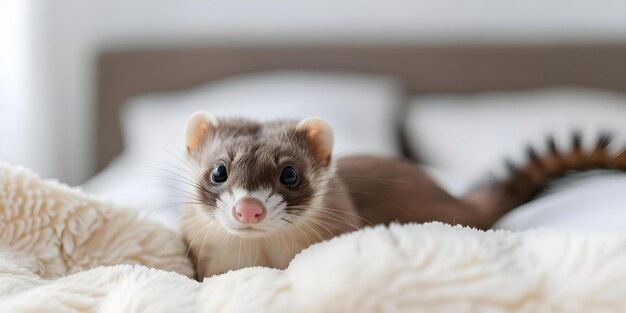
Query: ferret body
point(263, 192)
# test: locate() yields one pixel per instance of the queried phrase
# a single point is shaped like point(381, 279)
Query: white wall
point(26, 115)
point(76, 29)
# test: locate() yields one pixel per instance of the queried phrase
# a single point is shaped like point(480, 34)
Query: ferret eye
point(219, 175)
point(289, 176)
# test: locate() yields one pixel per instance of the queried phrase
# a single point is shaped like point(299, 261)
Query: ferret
point(265, 191)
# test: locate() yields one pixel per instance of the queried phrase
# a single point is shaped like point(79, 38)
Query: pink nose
point(249, 211)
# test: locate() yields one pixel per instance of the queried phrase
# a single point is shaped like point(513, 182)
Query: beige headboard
point(424, 69)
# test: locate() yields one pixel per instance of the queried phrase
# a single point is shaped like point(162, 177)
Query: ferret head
point(255, 178)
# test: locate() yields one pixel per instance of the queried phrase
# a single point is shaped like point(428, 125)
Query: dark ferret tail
point(524, 182)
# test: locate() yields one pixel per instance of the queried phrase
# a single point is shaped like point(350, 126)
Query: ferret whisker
point(273, 236)
point(282, 235)
point(194, 201)
point(188, 166)
point(166, 206)
point(286, 220)
point(195, 222)
point(332, 186)
point(322, 224)
point(306, 234)
point(246, 247)
point(293, 239)
point(367, 179)
point(195, 186)
point(371, 178)
point(179, 171)
point(250, 253)
point(222, 237)
point(225, 238)
point(316, 195)
point(229, 238)
point(187, 227)
point(315, 222)
point(185, 192)
point(317, 190)
point(173, 166)
point(191, 201)
point(313, 231)
point(335, 211)
point(175, 205)
point(330, 216)
point(176, 196)
point(381, 199)
point(293, 134)
point(373, 182)
point(340, 153)
point(194, 214)
point(194, 237)
point(256, 254)
point(193, 197)
point(239, 256)
point(279, 243)
point(325, 220)
point(295, 130)
point(184, 161)
point(186, 179)
point(176, 240)
point(157, 210)
point(367, 194)
point(206, 234)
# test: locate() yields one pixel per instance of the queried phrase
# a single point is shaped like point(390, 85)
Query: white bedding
point(44, 227)
point(594, 201)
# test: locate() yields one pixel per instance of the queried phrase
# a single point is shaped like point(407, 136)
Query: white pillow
point(592, 201)
point(361, 108)
point(471, 135)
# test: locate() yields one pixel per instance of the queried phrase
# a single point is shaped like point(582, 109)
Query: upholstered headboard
point(424, 69)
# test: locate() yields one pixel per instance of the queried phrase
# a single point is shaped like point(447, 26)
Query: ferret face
point(258, 177)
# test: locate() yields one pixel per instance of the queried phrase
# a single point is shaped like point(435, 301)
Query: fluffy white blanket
point(63, 251)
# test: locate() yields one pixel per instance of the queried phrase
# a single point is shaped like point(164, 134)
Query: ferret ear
point(199, 126)
point(320, 135)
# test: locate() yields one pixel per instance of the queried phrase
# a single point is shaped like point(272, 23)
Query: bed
point(143, 78)
point(96, 256)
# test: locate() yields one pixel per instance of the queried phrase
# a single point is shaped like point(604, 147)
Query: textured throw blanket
point(64, 251)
